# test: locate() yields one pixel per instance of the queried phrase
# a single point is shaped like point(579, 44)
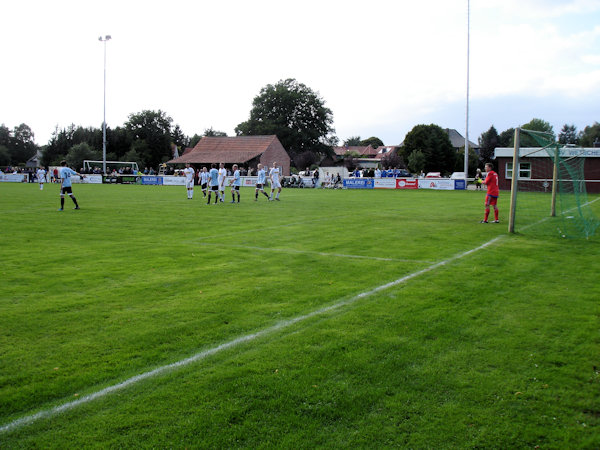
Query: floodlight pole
point(104, 39)
point(467, 114)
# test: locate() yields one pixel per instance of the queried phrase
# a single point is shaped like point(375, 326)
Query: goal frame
point(514, 185)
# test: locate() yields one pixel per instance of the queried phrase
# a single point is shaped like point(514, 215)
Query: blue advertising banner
point(152, 180)
point(358, 183)
point(460, 184)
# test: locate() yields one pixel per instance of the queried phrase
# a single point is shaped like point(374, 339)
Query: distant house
point(384, 151)
point(458, 141)
point(535, 167)
point(35, 160)
point(245, 151)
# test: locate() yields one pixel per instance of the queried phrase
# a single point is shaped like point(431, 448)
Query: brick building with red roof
point(246, 151)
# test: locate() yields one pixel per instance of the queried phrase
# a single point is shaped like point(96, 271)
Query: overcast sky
point(381, 66)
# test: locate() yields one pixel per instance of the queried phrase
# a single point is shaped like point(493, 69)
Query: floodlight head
point(100, 38)
point(108, 37)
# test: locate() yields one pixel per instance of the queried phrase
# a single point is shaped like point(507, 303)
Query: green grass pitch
point(296, 343)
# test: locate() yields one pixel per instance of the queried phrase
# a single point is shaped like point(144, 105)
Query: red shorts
point(491, 200)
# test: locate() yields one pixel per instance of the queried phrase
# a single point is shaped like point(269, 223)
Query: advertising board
point(358, 183)
point(249, 181)
point(384, 183)
point(407, 183)
point(460, 185)
point(87, 179)
point(151, 180)
point(437, 183)
point(173, 181)
point(13, 178)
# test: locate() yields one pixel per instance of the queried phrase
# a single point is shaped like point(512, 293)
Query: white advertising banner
point(14, 178)
point(173, 181)
point(436, 183)
point(249, 181)
point(384, 183)
point(88, 179)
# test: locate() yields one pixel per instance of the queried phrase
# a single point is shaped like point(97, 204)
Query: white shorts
point(189, 184)
point(275, 184)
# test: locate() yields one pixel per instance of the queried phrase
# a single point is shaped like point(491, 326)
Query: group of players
point(213, 181)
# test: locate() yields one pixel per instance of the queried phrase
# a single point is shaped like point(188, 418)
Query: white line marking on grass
point(47, 413)
point(310, 252)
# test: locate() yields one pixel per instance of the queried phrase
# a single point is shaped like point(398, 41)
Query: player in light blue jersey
point(260, 182)
point(65, 174)
point(213, 181)
point(235, 185)
point(204, 181)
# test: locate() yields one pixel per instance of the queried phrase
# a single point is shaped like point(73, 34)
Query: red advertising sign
point(407, 183)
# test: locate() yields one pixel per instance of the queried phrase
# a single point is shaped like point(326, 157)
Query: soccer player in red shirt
point(491, 181)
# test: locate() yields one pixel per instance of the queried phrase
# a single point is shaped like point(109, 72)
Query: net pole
point(514, 182)
point(554, 181)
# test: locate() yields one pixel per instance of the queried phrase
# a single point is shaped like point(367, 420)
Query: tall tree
point(195, 139)
point(21, 144)
point(393, 159)
point(153, 129)
point(293, 112)
point(435, 144)
point(214, 133)
point(4, 136)
point(473, 160)
point(507, 138)
point(372, 141)
point(589, 135)
point(4, 157)
point(79, 153)
point(352, 141)
point(568, 135)
point(180, 140)
point(416, 161)
point(488, 141)
point(528, 140)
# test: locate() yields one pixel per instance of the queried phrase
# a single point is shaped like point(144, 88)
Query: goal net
point(128, 167)
point(549, 195)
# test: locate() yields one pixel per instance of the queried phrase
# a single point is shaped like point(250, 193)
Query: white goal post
point(88, 165)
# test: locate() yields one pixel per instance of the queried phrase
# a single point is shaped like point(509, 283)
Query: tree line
point(288, 109)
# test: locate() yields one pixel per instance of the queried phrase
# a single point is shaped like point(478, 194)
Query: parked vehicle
point(433, 175)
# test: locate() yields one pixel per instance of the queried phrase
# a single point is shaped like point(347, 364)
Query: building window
point(524, 171)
